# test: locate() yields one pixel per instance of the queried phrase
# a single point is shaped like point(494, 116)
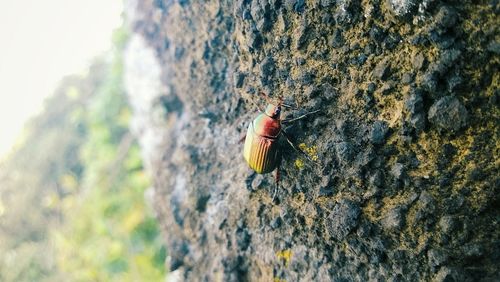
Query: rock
point(377, 179)
point(254, 41)
point(276, 223)
point(343, 219)
point(407, 78)
point(301, 35)
point(446, 60)
point(177, 251)
point(337, 40)
point(378, 132)
point(305, 78)
point(360, 60)
point(327, 3)
point(247, 14)
point(446, 274)
point(295, 5)
point(283, 74)
point(439, 68)
point(311, 92)
point(377, 34)
point(436, 257)
point(429, 81)
point(446, 17)
point(326, 191)
point(300, 258)
point(300, 61)
point(427, 201)
point(328, 91)
point(494, 47)
point(371, 87)
point(419, 61)
point(327, 19)
point(257, 182)
point(344, 13)
point(391, 41)
point(398, 171)
point(238, 79)
point(345, 152)
point(267, 66)
point(453, 204)
point(387, 87)
point(402, 8)
point(447, 224)
point(393, 220)
point(473, 251)
point(261, 15)
point(454, 81)
point(243, 238)
point(448, 114)
point(364, 230)
point(414, 104)
point(381, 70)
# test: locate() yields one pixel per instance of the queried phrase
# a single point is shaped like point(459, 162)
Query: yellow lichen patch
point(285, 255)
point(396, 200)
point(299, 163)
point(370, 211)
point(310, 151)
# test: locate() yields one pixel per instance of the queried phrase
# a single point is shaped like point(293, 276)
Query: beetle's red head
point(273, 111)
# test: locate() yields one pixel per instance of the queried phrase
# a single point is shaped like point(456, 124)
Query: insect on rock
point(262, 150)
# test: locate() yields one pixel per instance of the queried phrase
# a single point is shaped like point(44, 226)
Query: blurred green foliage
point(72, 204)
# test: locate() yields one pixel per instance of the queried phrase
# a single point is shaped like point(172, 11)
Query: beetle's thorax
point(267, 126)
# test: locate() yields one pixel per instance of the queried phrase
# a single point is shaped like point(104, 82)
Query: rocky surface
point(405, 185)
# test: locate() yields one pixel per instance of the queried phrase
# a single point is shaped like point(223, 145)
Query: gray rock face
point(402, 7)
point(378, 132)
point(343, 219)
point(393, 221)
point(399, 191)
point(448, 114)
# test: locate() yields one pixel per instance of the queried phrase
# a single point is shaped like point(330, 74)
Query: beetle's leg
point(300, 117)
point(277, 176)
point(242, 138)
point(295, 148)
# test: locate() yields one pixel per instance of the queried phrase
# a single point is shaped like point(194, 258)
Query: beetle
point(262, 150)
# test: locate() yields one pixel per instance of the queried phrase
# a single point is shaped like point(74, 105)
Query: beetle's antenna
point(297, 149)
point(265, 97)
point(289, 106)
point(300, 117)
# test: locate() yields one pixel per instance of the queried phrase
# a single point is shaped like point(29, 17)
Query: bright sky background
point(40, 42)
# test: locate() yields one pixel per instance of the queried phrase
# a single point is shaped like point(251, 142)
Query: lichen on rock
point(406, 181)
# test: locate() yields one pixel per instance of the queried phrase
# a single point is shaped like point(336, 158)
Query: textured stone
point(447, 224)
point(378, 132)
point(436, 257)
point(393, 220)
point(448, 114)
point(418, 61)
point(345, 152)
point(370, 207)
point(402, 7)
point(343, 219)
point(381, 70)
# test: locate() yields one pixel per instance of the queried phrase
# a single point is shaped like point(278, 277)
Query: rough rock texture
point(406, 185)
